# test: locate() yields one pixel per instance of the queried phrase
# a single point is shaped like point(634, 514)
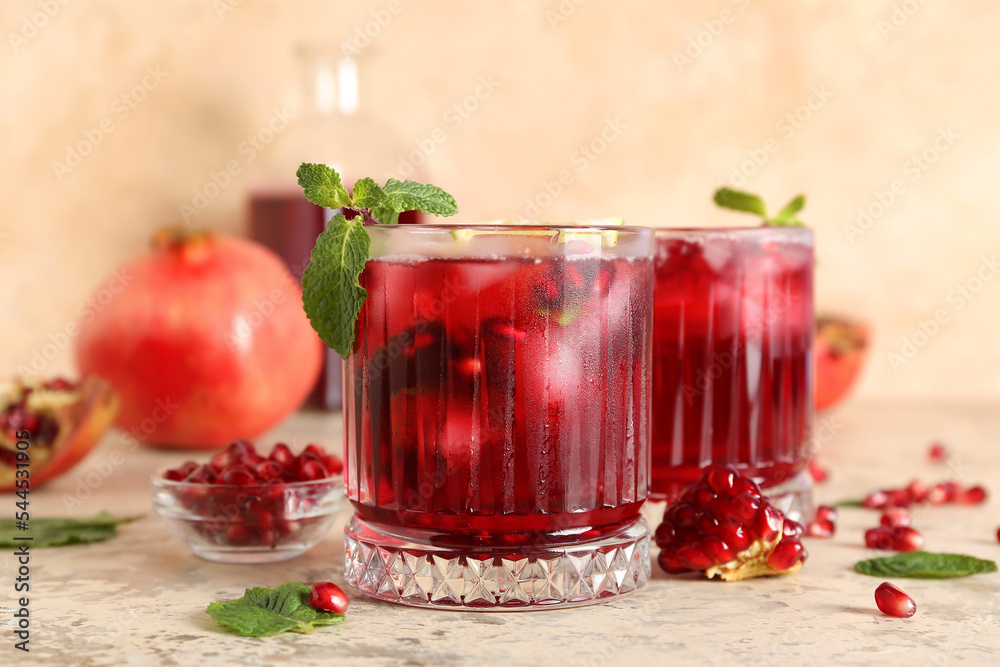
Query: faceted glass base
point(390, 568)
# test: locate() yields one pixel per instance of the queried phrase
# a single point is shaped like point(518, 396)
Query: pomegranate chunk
point(723, 526)
point(894, 602)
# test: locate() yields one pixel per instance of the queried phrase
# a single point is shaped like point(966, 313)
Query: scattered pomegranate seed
point(879, 538)
point(917, 492)
point(329, 597)
point(820, 529)
point(939, 452)
point(826, 513)
point(818, 472)
point(973, 496)
point(894, 602)
point(723, 525)
point(877, 500)
point(896, 517)
point(998, 534)
point(907, 539)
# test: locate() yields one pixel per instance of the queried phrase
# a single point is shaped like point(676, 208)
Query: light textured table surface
point(140, 599)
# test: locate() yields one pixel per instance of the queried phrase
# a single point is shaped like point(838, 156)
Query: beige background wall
point(692, 90)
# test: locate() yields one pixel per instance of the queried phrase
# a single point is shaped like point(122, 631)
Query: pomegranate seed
point(282, 454)
point(238, 476)
point(269, 471)
point(315, 450)
point(768, 523)
point(721, 479)
point(894, 602)
point(706, 523)
point(175, 475)
point(879, 538)
point(745, 484)
point(938, 453)
point(59, 384)
point(826, 513)
point(998, 534)
point(333, 465)
point(239, 535)
point(329, 597)
point(745, 506)
point(717, 550)
point(668, 561)
point(684, 515)
point(907, 539)
point(918, 491)
point(312, 470)
point(951, 490)
point(702, 497)
point(820, 529)
point(693, 557)
point(937, 495)
point(787, 553)
point(735, 535)
point(973, 496)
point(220, 461)
point(818, 472)
point(240, 448)
point(876, 501)
point(896, 517)
point(792, 528)
point(203, 475)
point(665, 533)
point(900, 498)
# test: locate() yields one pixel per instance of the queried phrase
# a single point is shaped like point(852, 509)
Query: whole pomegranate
point(206, 343)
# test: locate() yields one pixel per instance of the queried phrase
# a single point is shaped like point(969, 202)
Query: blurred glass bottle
point(329, 126)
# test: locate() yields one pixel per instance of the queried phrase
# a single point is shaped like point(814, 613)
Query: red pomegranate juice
point(732, 354)
point(494, 400)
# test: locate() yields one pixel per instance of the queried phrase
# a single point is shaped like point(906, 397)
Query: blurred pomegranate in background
point(839, 351)
point(206, 342)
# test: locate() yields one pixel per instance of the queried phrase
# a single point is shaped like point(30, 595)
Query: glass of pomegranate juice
point(497, 416)
point(732, 359)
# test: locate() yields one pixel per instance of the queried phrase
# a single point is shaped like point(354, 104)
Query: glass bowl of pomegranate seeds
point(245, 507)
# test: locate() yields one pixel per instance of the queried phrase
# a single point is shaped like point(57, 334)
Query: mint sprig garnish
point(925, 565)
point(748, 202)
point(332, 295)
point(262, 612)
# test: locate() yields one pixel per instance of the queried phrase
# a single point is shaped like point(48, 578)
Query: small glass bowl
point(259, 523)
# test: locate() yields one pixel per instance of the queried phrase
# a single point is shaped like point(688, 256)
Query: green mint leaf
point(265, 611)
point(412, 196)
point(59, 532)
point(368, 194)
point(740, 201)
point(331, 293)
point(925, 565)
point(849, 503)
point(792, 208)
point(322, 185)
point(386, 215)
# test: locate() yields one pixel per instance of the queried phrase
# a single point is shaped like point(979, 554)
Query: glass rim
point(156, 479)
point(741, 230)
point(492, 226)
